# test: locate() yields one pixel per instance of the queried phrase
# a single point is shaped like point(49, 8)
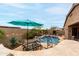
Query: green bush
point(2, 34)
point(32, 33)
point(13, 41)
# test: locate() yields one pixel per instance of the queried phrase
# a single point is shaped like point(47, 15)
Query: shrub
point(2, 34)
point(13, 41)
point(32, 33)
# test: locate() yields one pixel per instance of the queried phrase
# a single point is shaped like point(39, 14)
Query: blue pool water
point(48, 39)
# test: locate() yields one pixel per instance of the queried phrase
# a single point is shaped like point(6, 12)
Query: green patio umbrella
point(26, 23)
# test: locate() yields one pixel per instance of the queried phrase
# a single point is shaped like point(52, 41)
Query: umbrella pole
point(27, 36)
point(47, 43)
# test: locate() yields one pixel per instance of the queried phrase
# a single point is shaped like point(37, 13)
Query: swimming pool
point(50, 39)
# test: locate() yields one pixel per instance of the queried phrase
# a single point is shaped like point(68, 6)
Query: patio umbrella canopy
point(26, 23)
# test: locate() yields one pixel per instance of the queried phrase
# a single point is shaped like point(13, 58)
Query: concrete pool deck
point(64, 48)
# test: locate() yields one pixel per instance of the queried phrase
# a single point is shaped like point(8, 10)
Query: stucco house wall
point(72, 18)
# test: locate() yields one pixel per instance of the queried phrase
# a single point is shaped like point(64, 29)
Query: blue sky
point(49, 14)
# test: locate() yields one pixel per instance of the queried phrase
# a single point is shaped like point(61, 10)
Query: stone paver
point(64, 48)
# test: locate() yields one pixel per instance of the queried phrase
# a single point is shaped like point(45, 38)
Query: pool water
point(48, 39)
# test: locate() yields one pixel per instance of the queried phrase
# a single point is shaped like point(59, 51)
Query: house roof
point(73, 7)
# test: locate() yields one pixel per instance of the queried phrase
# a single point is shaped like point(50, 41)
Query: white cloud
point(7, 14)
point(19, 14)
point(19, 5)
point(39, 20)
point(25, 5)
point(56, 10)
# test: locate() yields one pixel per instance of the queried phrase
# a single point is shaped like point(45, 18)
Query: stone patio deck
point(64, 48)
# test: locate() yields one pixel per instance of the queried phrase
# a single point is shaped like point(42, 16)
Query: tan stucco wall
point(74, 18)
